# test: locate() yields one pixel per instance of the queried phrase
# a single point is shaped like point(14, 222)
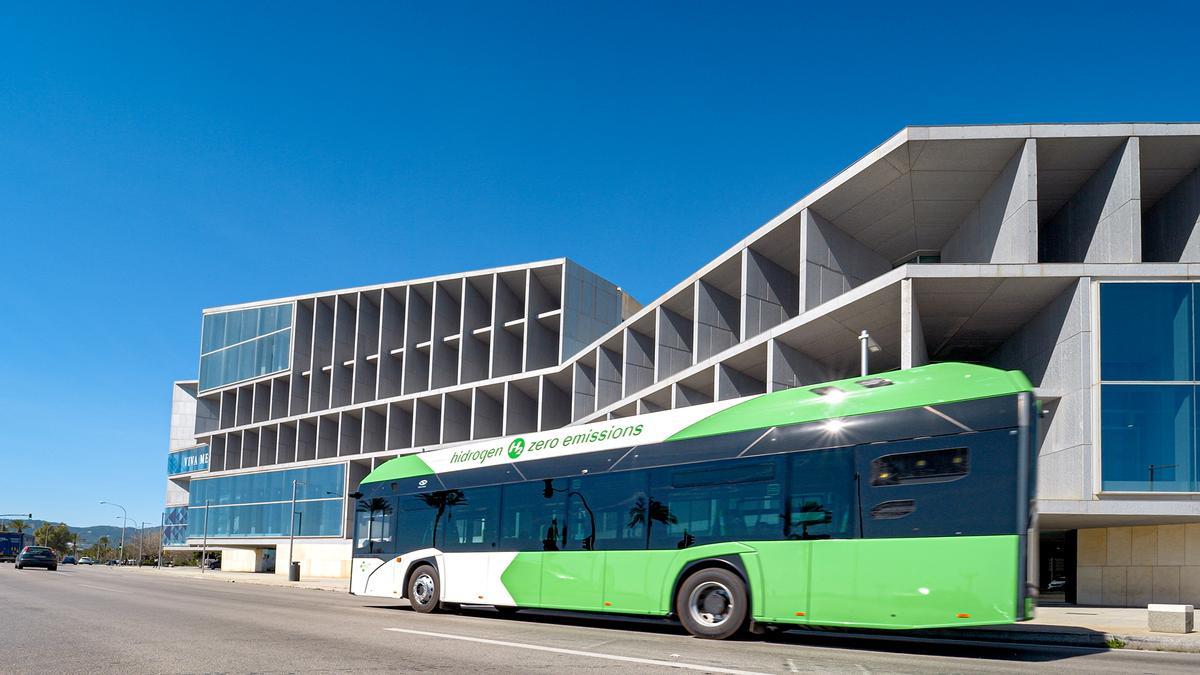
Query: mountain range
point(88, 535)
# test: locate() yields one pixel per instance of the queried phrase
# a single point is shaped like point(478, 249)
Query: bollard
point(294, 572)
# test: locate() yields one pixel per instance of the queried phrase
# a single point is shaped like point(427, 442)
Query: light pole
point(162, 529)
point(141, 542)
point(125, 514)
point(866, 345)
point(204, 546)
point(139, 536)
point(292, 529)
point(292, 535)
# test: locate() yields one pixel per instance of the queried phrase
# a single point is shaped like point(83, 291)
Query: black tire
point(713, 604)
point(53, 568)
point(424, 589)
point(17, 566)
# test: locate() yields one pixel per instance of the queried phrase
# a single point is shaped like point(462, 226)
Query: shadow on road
point(907, 642)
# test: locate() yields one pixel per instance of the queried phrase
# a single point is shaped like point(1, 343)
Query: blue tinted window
point(244, 344)
point(214, 332)
point(1148, 437)
point(258, 504)
point(1146, 331)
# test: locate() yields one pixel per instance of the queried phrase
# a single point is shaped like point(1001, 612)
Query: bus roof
point(916, 387)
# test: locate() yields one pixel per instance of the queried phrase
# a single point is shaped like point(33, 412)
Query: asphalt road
point(109, 620)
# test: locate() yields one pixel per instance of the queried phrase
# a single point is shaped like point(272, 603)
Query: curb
point(1090, 640)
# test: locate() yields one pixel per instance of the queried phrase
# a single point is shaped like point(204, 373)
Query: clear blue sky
point(157, 160)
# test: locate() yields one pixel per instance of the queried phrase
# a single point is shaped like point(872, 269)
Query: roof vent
point(874, 383)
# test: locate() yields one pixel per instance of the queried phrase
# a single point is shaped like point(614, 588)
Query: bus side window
point(821, 498)
point(534, 517)
point(416, 518)
point(471, 521)
point(730, 500)
point(608, 512)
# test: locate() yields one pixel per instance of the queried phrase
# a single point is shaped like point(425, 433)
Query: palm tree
point(19, 525)
point(658, 513)
point(441, 501)
point(375, 505)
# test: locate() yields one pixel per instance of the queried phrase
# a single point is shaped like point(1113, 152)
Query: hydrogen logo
point(423, 483)
point(516, 448)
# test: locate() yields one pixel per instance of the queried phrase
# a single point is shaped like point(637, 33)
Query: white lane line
point(101, 588)
point(575, 652)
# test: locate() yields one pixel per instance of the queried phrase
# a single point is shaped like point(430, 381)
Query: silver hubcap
point(423, 589)
point(710, 603)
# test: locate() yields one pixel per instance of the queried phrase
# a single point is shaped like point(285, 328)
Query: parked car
point(86, 560)
point(37, 556)
point(68, 560)
point(111, 563)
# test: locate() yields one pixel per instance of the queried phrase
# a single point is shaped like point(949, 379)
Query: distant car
point(111, 563)
point(86, 560)
point(68, 560)
point(37, 556)
point(212, 564)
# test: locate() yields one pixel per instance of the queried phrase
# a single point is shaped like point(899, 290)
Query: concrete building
point(1071, 252)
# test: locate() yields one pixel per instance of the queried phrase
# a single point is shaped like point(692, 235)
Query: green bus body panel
point(629, 582)
point(408, 466)
point(926, 385)
point(922, 582)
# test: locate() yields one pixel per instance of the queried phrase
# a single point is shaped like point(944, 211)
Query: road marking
point(575, 652)
point(101, 588)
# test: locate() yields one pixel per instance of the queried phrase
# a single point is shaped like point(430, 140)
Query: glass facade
point(1148, 390)
point(175, 526)
point(242, 344)
point(187, 461)
point(259, 504)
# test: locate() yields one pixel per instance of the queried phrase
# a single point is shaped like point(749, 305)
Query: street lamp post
point(204, 545)
point(292, 533)
point(867, 345)
point(126, 515)
point(162, 529)
point(141, 543)
point(292, 527)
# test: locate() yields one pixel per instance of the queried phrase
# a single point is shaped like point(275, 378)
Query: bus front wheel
point(424, 589)
point(713, 604)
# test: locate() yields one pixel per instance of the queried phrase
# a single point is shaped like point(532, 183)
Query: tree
point(57, 537)
point(18, 525)
point(441, 501)
point(100, 547)
point(3, 527)
point(377, 505)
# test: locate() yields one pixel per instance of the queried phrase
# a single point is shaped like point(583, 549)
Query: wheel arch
point(732, 562)
point(412, 567)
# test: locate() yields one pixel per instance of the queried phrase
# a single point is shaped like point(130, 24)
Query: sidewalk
point(1067, 625)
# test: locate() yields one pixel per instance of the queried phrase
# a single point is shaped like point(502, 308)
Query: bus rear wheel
point(713, 604)
point(424, 589)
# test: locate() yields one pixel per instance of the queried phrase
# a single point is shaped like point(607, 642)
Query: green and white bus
point(903, 500)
